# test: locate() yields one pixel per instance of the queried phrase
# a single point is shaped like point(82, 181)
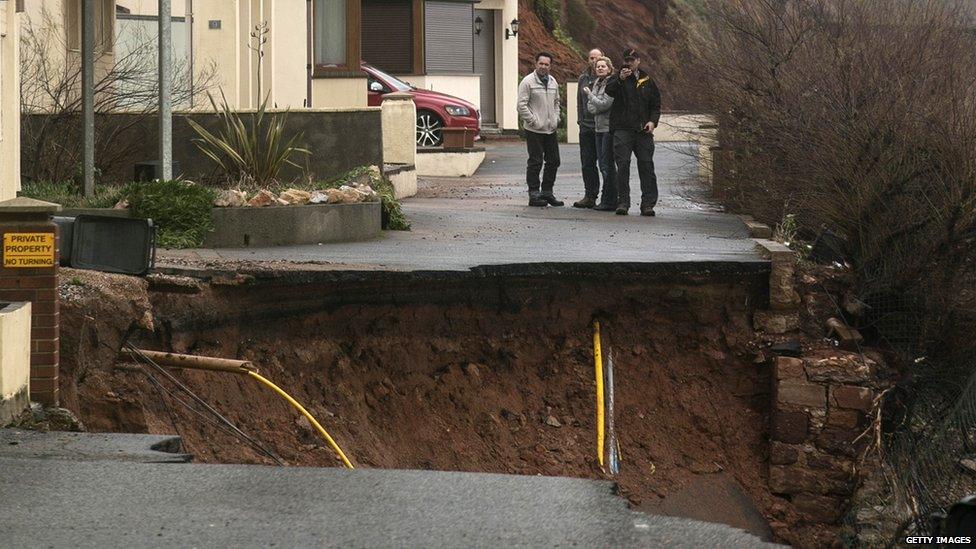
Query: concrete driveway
point(484, 220)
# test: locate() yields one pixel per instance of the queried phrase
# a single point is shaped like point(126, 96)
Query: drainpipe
point(190, 25)
point(166, 89)
point(88, 97)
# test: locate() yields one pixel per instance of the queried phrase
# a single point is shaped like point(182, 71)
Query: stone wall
point(339, 140)
point(821, 415)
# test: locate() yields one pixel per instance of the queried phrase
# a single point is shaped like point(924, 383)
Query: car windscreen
point(400, 85)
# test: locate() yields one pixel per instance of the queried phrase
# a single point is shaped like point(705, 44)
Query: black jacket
point(636, 101)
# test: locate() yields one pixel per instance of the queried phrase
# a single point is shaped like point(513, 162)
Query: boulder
point(318, 197)
point(262, 199)
point(295, 197)
point(230, 198)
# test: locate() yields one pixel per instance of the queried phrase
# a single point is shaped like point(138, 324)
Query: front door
point(484, 62)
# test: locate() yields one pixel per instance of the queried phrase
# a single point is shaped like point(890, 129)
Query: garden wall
point(339, 140)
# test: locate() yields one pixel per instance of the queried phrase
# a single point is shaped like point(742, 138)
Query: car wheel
point(429, 127)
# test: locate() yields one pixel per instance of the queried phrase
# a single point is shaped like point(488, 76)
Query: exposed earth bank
point(450, 373)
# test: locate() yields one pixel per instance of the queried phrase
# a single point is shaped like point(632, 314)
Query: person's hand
point(625, 73)
point(649, 127)
point(586, 90)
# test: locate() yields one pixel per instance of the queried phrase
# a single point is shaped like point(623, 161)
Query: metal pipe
point(166, 89)
point(192, 362)
point(88, 97)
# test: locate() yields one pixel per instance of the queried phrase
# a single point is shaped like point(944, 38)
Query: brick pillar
point(29, 272)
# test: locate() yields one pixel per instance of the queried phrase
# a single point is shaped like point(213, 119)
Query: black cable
point(203, 403)
point(235, 431)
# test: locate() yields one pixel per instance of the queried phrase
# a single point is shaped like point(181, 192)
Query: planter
point(282, 225)
point(458, 138)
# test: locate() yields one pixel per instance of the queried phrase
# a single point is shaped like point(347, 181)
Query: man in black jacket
point(636, 112)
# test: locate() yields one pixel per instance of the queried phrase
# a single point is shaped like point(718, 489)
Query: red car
point(435, 110)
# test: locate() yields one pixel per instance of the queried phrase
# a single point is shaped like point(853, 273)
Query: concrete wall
point(464, 86)
point(15, 353)
point(9, 100)
point(338, 93)
point(436, 163)
point(294, 225)
point(399, 129)
point(339, 140)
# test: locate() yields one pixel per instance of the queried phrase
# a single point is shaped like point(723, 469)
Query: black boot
point(586, 202)
point(536, 200)
point(604, 207)
point(622, 209)
point(551, 199)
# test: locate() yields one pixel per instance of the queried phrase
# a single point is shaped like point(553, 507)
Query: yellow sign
point(28, 250)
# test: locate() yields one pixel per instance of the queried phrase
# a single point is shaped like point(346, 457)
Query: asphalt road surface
point(463, 223)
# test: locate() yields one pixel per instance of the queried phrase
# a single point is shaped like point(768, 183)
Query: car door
point(375, 90)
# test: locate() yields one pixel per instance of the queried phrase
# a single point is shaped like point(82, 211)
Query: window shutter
point(449, 29)
point(388, 35)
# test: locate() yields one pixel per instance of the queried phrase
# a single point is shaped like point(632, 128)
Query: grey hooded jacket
point(600, 105)
point(538, 104)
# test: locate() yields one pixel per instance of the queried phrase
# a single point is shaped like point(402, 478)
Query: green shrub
point(68, 194)
point(579, 22)
point(182, 211)
point(548, 12)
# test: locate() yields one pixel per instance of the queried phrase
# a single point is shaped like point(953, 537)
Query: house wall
point(15, 355)
point(465, 86)
point(338, 93)
point(506, 62)
point(217, 47)
point(9, 100)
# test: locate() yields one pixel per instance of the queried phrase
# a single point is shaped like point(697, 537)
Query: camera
point(625, 66)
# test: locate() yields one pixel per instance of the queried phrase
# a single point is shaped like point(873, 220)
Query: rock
point(295, 197)
point(847, 419)
point(801, 393)
point(230, 198)
point(121, 205)
point(553, 422)
point(776, 322)
point(790, 427)
point(472, 370)
point(262, 199)
point(789, 368)
point(852, 398)
point(841, 368)
point(318, 197)
point(849, 338)
point(782, 454)
point(351, 195)
point(369, 194)
point(818, 508)
point(281, 202)
point(968, 465)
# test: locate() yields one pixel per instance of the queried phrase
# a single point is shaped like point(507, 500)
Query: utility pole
point(165, 90)
point(88, 98)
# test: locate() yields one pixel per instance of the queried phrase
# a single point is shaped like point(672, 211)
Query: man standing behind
point(635, 115)
point(538, 108)
point(587, 134)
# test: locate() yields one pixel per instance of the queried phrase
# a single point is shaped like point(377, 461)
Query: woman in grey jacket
point(599, 105)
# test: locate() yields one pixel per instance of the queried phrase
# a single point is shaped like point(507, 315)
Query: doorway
point(484, 62)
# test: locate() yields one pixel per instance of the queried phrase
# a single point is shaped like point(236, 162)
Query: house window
point(330, 18)
point(104, 24)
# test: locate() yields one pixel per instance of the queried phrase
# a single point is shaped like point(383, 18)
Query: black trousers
point(543, 148)
point(604, 147)
point(589, 152)
point(641, 145)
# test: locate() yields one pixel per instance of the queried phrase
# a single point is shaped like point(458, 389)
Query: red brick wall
point(40, 287)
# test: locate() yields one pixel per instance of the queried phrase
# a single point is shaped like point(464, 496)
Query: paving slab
point(463, 223)
point(60, 503)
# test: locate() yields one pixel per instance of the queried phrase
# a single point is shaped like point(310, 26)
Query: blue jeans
point(604, 147)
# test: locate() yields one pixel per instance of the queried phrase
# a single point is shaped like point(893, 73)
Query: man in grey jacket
point(538, 108)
